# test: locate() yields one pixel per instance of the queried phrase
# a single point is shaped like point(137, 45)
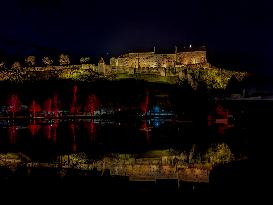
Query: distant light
point(156, 109)
point(190, 45)
point(156, 124)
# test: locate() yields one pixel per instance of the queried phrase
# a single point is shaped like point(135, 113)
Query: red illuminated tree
point(34, 129)
point(74, 108)
point(14, 105)
point(55, 105)
point(92, 104)
point(145, 104)
point(48, 106)
point(34, 108)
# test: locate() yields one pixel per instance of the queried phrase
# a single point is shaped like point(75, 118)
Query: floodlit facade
point(140, 60)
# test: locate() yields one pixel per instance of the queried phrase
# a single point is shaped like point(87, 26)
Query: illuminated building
point(101, 66)
point(143, 60)
point(187, 64)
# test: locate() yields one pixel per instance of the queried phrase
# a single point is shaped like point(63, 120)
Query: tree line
point(31, 61)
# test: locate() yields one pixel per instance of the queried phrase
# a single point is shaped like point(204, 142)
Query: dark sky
point(237, 33)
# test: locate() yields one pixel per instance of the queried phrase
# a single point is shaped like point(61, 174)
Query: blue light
point(156, 123)
point(156, 109)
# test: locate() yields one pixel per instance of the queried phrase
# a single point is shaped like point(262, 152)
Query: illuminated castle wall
point(188, 56)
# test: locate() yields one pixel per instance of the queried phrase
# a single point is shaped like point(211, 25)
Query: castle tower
point(101, 66)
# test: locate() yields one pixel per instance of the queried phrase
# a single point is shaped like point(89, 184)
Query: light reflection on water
point(141, 149)
point(88, 135)
point(191, 166)
point(53, 129)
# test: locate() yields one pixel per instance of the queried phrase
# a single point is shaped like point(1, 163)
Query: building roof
point(168, 51)
point(192, 49)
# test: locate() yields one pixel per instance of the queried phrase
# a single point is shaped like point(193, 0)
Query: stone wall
point(153, 60)
point(192, 57)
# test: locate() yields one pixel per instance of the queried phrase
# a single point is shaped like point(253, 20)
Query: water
point(83, 135)
point(45, 139)
point(144, 141)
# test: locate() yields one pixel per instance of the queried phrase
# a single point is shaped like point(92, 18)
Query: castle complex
point(141, 60)
point(129, 63)
point(189, 64)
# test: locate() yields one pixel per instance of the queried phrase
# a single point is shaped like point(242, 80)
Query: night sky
point(238, 33)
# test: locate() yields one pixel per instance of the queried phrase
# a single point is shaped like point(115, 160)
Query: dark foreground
point(232, 178)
